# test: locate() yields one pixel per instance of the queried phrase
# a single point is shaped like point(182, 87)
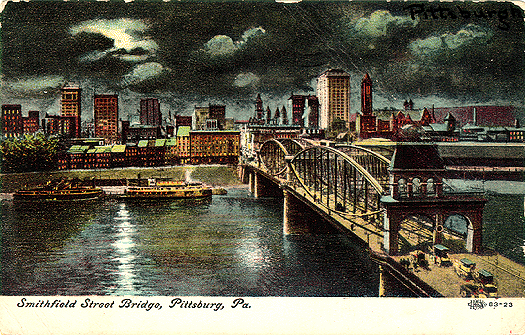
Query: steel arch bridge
point(353, 189)
point(348, 180)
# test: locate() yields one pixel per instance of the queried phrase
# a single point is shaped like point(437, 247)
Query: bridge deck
point(361, 226)
point(509, 276)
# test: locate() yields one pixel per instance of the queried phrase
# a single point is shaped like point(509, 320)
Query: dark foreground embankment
point(215, 175)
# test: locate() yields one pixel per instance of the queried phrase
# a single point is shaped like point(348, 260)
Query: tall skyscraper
point(313, 111)
point(71, 97)
point(297, 109)
point(366, 121)
point(366, 95)
point(150, 112)
point(333, 91)
point(11, 122)
point(106, 117)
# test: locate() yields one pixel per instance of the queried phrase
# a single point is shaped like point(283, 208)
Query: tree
point(29, 153)
point(338, 126)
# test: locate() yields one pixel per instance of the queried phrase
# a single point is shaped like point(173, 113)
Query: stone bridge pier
point(299, 218)
point(262, 186)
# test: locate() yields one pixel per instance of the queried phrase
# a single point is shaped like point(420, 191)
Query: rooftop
point(183, 131)
point(171, 141)
point(160, 142)
point(480, 150)
point(118, 148)
point(143, 143)
point(334, 73)
point(416, 156)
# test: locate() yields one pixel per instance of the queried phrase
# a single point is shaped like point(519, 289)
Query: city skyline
point(195, 54)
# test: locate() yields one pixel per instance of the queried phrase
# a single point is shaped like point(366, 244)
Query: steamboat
point(168, 190)
point(62, 190)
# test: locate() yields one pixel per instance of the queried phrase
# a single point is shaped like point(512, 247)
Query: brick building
point(31, 123)
point(386, 123)
point(63, 126)
point(298, 104)
point(171, 156)
point(136, 133)
point(150, 112)
point(71, 105)
point(182, 120)
point(218, 113)
point(196, 147)
point(313, 111)
point(106, 117)
point(11, 125)
point(183, 144)
point(214, 147)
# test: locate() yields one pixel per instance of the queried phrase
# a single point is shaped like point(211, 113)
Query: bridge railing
point(273, 153)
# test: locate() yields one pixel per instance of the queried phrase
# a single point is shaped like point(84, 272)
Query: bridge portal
point(416, 177)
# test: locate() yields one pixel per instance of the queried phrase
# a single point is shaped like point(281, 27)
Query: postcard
point(262, 167)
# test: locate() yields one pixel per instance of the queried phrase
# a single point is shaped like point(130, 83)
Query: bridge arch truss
point(273, 153)
point(376, 164)
point(334, 179)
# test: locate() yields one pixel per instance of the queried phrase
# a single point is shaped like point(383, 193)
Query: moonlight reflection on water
point(230, 245)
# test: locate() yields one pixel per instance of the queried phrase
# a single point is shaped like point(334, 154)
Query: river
point(503, 215)
point(231, 245)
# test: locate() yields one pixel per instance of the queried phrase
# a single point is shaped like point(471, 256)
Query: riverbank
point(214, 175)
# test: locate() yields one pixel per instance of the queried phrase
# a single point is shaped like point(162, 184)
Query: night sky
point(196, 53)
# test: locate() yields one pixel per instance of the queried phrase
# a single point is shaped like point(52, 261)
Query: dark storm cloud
point(194, 52)
point(454, 58)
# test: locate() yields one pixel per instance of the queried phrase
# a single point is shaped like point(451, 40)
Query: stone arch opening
point(402, 188)
point(416, 187)
point(431, 187)
point(416, 232)
point(458, 232)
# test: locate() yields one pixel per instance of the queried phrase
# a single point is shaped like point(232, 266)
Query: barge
point(168, 190)
point(58, 192)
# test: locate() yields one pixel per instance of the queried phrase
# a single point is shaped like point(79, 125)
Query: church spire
point(284, 115)
point(268, 114)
